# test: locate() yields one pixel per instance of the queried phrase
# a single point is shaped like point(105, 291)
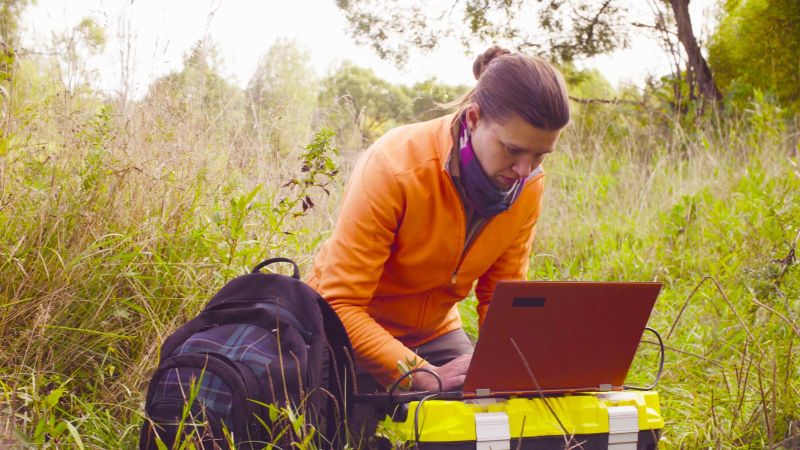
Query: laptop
point(552, 337)
point(559, 337)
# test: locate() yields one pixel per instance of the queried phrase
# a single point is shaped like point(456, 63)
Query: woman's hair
point(511, 83)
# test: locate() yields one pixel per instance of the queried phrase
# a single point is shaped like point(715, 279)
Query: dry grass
point(116, 225)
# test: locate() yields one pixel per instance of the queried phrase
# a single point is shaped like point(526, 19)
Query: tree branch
point(589, 101)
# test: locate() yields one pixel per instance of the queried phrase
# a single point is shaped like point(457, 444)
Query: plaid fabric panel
point(244, 343)
point(213, 391)
point(247, 344)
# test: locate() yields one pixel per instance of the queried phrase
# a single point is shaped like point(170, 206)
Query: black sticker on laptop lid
point(528, 302)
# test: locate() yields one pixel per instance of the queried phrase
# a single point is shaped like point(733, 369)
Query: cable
point(660, 366)
point(530, 372)
point(397, 382)
point(416, 416)
point(410, 372)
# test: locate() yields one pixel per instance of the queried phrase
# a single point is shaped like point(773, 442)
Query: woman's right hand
point(452, 375)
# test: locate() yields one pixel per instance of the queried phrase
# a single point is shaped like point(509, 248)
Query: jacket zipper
point(469, 239)
point(469, 235)
point(472, 237)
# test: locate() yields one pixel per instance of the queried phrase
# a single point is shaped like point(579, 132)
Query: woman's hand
point(452, 375)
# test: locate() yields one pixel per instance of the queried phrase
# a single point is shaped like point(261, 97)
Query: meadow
point(118, 221)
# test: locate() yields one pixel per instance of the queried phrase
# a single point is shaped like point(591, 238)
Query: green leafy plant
point(317, 169)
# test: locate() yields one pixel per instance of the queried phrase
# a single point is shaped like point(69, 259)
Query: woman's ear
point(473, 115)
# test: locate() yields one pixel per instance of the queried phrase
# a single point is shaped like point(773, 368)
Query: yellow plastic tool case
point(609, 420)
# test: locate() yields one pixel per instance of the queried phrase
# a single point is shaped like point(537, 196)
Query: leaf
point(75, 435)
point(297, 423)
point(160, 444)
point(307, 203)
point(54, 396)
point(273, 412)
point(20, 437)
point(59, 429)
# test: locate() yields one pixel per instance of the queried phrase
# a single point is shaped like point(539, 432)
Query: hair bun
point(483, 60)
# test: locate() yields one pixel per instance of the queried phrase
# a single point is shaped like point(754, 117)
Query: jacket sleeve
point(513, 263)
point(369, 217)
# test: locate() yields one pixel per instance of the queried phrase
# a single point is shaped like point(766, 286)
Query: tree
point(196, 100)
point(566, 29)
point(10, 11)
point(197, 86)
point(698, 72)
point(283, 96)
point(379, 104)
point(392, 27)
point(757, 46)
point(429, 96)
point(74, 47)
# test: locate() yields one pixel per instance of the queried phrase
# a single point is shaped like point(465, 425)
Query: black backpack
point(266, 360)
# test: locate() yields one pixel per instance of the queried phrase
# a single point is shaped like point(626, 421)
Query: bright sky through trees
point(161, 32)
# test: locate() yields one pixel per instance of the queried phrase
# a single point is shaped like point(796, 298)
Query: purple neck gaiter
point(484, 198)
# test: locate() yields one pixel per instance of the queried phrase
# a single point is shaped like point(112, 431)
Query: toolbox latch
point(623, 427)
point(492, 431)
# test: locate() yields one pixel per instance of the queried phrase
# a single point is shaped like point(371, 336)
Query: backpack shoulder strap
point(334, 329)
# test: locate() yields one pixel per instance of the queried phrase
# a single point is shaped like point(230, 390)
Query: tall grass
point(116, 225)
point(713, 212)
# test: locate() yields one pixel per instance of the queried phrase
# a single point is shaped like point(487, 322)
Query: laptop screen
point(563, 336)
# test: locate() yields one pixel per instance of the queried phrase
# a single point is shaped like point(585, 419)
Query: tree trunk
point(698, 67)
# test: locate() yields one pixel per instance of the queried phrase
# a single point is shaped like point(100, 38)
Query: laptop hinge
point(483, 392)
point(492, 431)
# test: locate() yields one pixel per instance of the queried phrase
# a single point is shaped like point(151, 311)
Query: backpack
point(265, 359)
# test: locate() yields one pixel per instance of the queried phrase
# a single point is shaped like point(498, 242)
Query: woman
point(432, 208)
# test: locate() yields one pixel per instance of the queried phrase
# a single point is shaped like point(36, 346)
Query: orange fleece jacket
point(395, 267)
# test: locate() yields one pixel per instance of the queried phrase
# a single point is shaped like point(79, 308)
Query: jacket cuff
point(397, 359)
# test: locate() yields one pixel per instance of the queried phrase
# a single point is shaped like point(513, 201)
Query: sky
point(161, 32)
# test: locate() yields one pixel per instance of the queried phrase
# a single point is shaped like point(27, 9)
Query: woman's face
point(508, 150)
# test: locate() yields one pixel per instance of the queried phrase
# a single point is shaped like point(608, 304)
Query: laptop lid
point(571, 336)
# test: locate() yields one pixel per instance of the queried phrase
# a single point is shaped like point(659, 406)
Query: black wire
point(416, 416)
point(539, 391)
point(660, 366)
point(410, 372)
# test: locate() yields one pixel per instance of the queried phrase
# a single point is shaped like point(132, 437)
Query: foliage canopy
point(283, 96)
point(757, 46)
point(564, 31)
